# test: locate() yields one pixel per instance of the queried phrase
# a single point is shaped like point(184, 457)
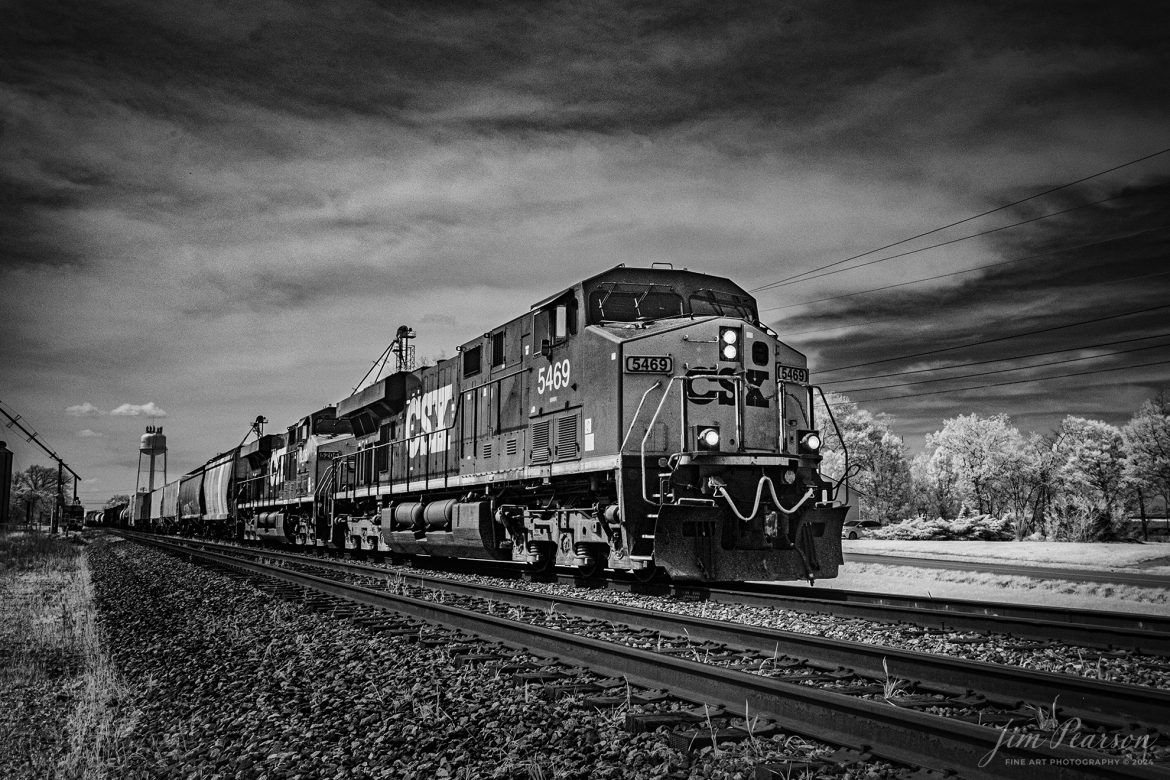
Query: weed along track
point(795, 702)
point(55, 680)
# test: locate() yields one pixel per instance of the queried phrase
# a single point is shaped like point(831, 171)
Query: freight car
point(643, 420)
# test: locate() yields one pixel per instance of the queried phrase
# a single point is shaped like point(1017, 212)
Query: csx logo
point(704, 388)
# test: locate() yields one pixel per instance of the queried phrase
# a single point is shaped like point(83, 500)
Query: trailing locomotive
point(641, 420)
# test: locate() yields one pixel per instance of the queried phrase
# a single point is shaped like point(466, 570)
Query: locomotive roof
point(621, 274)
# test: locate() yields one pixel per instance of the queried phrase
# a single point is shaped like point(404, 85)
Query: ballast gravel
point(1115, 666)
point(228, 681)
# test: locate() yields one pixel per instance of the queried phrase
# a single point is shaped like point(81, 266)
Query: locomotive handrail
point(840, 438)
point(634, 419)
point(646, 437)
point(683, 425)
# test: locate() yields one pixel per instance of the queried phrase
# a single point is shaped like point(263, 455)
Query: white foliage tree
point(1090, 478)
point(968, 463)
point(882, 480)
point(1147, 450)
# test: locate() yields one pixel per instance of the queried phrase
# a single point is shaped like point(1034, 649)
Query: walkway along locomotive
point(641, 420)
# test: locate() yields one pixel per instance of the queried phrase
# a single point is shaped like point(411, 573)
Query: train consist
point(641, 420)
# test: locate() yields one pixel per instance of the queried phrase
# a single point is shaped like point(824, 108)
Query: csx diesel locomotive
point(641, 420)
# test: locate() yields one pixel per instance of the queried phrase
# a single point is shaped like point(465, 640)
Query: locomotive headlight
point(707, 437)
point(810, 441)
point(729, 339)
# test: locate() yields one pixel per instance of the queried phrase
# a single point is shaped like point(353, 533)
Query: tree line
point(1080, 482)
point(34, 494)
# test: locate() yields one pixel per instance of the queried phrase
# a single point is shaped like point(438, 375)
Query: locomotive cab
point(720, 454)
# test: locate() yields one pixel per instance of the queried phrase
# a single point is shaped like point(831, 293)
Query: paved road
point(1039, 572)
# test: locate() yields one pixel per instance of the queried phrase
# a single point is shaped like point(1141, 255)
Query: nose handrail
point(737, 378)
point(638, 411)
point(646, 436)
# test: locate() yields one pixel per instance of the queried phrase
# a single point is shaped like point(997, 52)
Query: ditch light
point(707, 438)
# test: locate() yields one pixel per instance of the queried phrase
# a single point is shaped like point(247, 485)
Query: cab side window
point(555, 323)
point(498, 356)
point(472, 361)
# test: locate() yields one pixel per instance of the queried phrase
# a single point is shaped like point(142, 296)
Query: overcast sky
point(218, 210)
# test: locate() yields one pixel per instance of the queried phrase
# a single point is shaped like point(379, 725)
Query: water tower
point(151, 446)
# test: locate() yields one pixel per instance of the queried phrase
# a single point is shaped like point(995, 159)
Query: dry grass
point(56, 685)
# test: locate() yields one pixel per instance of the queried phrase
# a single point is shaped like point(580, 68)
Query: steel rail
point(1090, 699)
point(1007, 686)
point(896, 734)
point(803, 594)
point(1092, 628)
point(1148, 633)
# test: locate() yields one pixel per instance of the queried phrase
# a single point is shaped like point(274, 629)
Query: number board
point(649, 364)
point(792, 374)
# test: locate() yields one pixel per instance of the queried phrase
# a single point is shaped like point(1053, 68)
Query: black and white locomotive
point(642, 420)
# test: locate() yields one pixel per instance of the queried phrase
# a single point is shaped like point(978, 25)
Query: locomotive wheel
point(649, 574)
point(544, 566)
point(592, 571)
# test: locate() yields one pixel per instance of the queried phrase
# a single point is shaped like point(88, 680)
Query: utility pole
point(59, 507)
point(6, 477)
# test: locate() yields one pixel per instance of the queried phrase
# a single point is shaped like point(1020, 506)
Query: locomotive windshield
point(326, 426)
point(634, 302)
point(722, 304)
point(630, 303)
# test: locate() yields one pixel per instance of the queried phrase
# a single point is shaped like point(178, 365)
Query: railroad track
point(1148, 634)
point(832, 691)
point(1089, 628)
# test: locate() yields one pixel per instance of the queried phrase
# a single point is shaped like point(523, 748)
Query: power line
point(998, 338)
point(1007, 370)
point(961, 221)
point(958, 240)
point(993, 360)
point(969, 270)
point(1017, 382)
point(34, 437)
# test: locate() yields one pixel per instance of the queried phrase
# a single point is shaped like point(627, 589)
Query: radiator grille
point(541, 441)
point(567, 437)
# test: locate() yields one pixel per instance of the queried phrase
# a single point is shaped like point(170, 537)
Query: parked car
point(858, 529)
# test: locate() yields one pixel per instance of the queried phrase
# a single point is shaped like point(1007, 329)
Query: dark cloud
point(196, 200)
point(1084, 264)
point(1096, 276)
